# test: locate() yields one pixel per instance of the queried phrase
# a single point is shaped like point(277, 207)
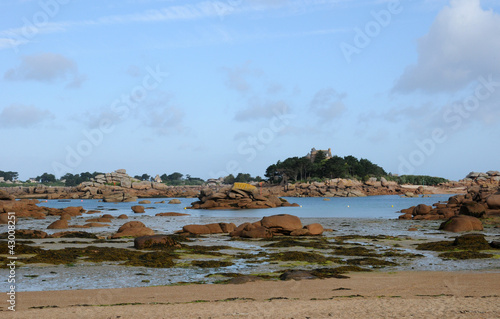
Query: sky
point(211, 88)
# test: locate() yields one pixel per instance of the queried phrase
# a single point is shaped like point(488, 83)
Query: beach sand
point(364, 295)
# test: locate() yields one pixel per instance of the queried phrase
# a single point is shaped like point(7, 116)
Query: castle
point(312, 154)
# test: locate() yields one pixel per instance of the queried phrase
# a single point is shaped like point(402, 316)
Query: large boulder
point(227, 227)
point(133, 229)
point(474, 209)
point(214, 228)
point(138, 209)
point(422, 209)
point(59, 224)
point(461, 223)
point(493, 201)
point(174, 201)
point(196, 229)
point(314, 229)
point(145, 242)
point(113, 198)
point(300, 232)
point(74, 211)
point(283, 222)
point(257, 232)
point(5, 196)
point(142, 185)
point(132, 224)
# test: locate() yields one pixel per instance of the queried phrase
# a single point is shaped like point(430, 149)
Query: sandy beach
point(363, 295)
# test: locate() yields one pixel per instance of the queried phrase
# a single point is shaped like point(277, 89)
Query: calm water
point(384, 207)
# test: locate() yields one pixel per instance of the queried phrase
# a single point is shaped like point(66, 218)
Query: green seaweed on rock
point(370, 261)
point(301, 256)
point(211, 263)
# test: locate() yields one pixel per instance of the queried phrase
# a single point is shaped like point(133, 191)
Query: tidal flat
point(351, 244)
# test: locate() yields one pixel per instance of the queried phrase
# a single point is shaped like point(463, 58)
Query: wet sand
point(363, 295)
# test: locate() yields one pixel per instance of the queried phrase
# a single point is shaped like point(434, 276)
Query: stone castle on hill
point(312, 154)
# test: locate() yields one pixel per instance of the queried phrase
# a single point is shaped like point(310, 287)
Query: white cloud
point(237, 77)
point(462, 44)
point(165, 120)
point(258, 110)
point(327, 104)
point(24, 116)
point(46, 67)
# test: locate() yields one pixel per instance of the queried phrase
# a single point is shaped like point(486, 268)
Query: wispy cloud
point(16, 36)
point(46, 67)
point(327, 104)
point(23, 116)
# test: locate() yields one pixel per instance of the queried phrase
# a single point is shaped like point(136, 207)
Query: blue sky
point(209, 88)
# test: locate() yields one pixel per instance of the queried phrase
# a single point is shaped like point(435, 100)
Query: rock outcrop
point(461, 223)
point(171, 214)
point(133, 229)
point(480, 201)
point(239, 196)
point(267, 227)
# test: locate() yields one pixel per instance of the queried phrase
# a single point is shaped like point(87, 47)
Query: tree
point(174, 176)
point(335, 167)
point(46, 178)
point(229, 179)
point(243, 178)
point(9, 176)
point(294, 168)
point(319, 157)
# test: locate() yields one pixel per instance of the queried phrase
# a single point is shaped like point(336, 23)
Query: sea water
point(385, 207)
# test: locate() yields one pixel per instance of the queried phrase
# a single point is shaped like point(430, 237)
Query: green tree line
point(302, 168)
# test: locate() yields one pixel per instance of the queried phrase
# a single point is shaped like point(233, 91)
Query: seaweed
point(19, 249)
point(465, 242)
point(251, 256)
point(99, 254)
point(370, 261)
point(474, 254)
point(211, 263)
point(318, 244)
point(301, 256)
point(55, 257)
point(205, 250)
point(354, 251)
point(79, 234)
point(157, 259)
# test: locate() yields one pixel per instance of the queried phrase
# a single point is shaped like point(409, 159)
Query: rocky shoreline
point(118, 186)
